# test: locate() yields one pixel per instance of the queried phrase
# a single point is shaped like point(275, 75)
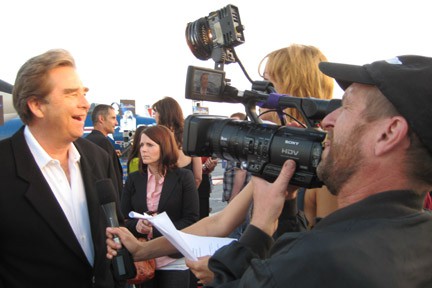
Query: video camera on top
point(261, 148)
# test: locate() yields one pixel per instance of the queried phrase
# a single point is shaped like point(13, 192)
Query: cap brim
point(346, 74)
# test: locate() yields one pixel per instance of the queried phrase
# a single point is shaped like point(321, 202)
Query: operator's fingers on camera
point(287, 171)
point(281, 184)
point(290, 189)
point(269, 199)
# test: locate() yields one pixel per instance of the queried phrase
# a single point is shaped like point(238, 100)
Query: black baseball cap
point(406, 81)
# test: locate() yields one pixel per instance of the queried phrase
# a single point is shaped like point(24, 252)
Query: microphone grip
point(123, 264)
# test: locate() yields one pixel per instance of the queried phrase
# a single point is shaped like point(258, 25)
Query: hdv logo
point(290, 151)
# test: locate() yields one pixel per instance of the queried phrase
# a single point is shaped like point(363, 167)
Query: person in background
point(50, 213)
point(134, 153)
point(205, 188)
point(306, 79)
point(160, 186)
point(104, 122)
point(293, 70)
point(203, 84)
point(168, 112)
point(380, 235)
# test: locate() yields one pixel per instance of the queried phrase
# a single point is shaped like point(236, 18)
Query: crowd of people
point(369, 225)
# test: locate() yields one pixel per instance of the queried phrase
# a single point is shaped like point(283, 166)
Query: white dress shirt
point(70, 196)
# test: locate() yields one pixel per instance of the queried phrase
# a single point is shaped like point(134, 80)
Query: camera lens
point(264, 148)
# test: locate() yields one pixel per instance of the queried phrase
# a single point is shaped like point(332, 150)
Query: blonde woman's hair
point(294, 71)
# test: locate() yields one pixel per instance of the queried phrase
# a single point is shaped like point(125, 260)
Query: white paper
point(191, 246)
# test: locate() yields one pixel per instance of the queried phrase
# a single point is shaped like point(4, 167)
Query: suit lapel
point(93, 203)
point(141, 198)
point(168, 188)
point(40, 195)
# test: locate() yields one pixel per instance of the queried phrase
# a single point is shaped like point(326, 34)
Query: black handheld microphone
point(124, 267)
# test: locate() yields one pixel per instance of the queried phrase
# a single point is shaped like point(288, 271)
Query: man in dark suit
point(52, 221)
point(104, 122)
point(206, 86)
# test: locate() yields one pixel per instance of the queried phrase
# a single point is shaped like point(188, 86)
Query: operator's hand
point(127, 239)
point(269, 198)
point(201, 270)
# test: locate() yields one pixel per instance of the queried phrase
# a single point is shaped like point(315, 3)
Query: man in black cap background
point(377, 159)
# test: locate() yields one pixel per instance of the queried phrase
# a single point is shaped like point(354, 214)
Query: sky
point(136, 49)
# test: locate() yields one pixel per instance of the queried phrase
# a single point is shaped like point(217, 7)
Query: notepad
point(191, 246)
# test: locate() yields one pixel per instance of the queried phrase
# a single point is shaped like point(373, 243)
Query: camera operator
point(378, 161)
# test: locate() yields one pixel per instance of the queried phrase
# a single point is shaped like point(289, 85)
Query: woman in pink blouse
point(160, 186)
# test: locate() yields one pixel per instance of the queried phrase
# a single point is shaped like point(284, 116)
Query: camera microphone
point(124, 267)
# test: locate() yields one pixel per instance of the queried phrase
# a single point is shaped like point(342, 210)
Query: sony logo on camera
point(262, 148)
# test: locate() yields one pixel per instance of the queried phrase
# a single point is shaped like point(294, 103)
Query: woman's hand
point(144, 227)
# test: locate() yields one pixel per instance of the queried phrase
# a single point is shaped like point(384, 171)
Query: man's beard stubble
point(343, 160)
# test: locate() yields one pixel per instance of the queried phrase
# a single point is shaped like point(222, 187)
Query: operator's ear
point(393, 135)
point(36, 106)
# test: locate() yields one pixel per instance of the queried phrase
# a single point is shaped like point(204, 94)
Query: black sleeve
point(230, 262)
point(126, 207)
point(257, 241)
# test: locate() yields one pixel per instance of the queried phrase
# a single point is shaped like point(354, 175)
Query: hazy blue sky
point(136, 49)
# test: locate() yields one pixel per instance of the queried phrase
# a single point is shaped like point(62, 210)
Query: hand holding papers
point(191, 246)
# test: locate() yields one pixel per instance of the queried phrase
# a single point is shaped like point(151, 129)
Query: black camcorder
point(260, 148)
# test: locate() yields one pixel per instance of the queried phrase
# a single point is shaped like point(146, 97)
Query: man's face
point(204, 80)
point(63, 115)
point(109, 122)
point(346, 142)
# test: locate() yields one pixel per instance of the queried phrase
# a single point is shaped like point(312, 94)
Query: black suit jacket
point(38, 247)
point(99, 139)
point(179, 199)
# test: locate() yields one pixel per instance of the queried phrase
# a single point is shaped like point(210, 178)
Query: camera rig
point(260, 148)
point(216, 35)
